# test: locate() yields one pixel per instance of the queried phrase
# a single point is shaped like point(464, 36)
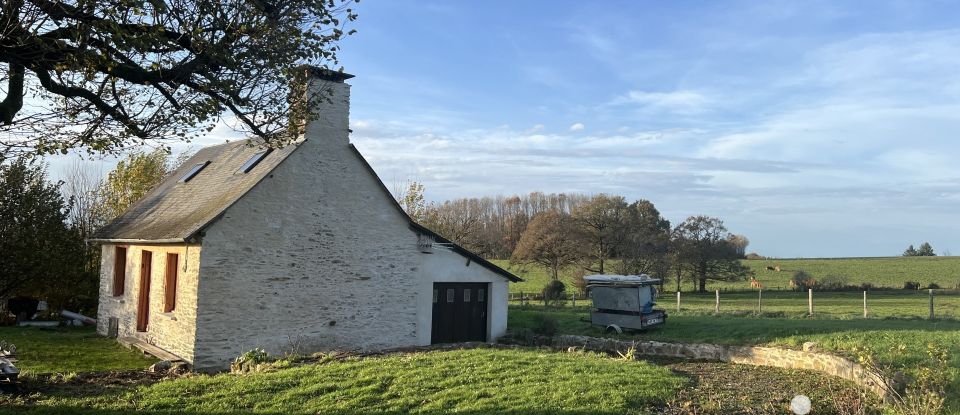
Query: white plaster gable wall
point(446, 266)
point(173, 331)
point(314, 257)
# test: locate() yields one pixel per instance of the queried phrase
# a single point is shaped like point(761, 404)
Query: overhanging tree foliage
point(104, 74)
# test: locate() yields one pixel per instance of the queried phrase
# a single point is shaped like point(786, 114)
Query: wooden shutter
point(170, 283)
point(119, 270)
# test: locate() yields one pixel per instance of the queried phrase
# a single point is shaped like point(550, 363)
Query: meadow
point(881, 272)
point(69, 349)
point(899, 344)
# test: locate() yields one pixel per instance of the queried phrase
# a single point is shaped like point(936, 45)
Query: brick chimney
point(331, 98)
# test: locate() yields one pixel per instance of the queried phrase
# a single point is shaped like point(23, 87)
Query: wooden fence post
point(574, 298)
point(521, 298)
point(810, 301)
point(678, 301)
point(931, 304)
point(760, 301)
point(717, 308)
point(864, 303)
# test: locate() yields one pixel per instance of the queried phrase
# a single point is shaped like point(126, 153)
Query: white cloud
point(577, 127)
point(680, 101)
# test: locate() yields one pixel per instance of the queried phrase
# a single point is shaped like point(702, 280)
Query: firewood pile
point(8, 372)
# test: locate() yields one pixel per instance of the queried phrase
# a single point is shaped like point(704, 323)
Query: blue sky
point(815, 128)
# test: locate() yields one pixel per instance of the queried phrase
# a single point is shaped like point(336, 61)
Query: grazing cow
point(777, 268)
point(769, 268)
point(755, 283)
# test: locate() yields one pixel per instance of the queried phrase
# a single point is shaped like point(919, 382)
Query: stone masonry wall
point(173, 331)
point(757, 356)
point(314, 257)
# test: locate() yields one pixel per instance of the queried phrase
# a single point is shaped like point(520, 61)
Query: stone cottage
point(294, 249)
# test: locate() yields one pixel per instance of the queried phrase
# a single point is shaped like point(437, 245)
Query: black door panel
point(459, 312)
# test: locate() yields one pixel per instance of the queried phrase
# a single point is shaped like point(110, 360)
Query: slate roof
point(176, 211)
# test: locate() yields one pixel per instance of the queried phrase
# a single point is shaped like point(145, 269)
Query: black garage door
point(459, 312)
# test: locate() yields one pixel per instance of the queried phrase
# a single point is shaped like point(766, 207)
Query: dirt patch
point(725, 388)
point(33, 388)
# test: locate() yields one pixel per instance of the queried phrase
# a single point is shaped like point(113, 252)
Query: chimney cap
point(326, 74)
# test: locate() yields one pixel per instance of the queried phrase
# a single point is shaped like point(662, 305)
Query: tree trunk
point(703, 284)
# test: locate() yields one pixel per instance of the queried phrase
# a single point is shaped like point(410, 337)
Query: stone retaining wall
point(757, 356)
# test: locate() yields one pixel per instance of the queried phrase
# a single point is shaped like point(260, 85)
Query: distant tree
point(547, 242)
point(925, 250)
point(754, 255)
point(601, 221)
point(645, 240)
point(707, 253)
point(133, 177)
point(107, 74)
point(739, 243)
point(42, 254)
point(412, 201)
point(462, 221)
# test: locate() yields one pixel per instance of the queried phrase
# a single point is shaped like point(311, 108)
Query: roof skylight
point(253, 161)
point(193, 171)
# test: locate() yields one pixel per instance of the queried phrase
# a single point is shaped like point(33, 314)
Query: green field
point(897, 342)
point(887, 272)
point(471, 381)
point(65, 350)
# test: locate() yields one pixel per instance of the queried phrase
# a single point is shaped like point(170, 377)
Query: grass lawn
point(513, 381)
point(66, 350)
point(882, 336)
point(889, 272)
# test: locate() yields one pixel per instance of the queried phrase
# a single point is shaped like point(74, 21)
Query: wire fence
point(915, 304)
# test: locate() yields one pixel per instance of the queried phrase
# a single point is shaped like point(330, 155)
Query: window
point(466, 295)
point(170, 283)
point(193, 171)
point(119, 270)
point(480, 294)
point(254, 161)
point(450, 295)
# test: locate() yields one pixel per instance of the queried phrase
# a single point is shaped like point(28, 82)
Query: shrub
point(866, 286)
point(801, 280)
point(831, 283)
point(522, 336)
point(545, 325)
point(250, 361)
point(933, 286)
point(911, 285)
point(554, 293)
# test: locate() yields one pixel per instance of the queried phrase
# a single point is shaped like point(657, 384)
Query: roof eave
point(137, 241)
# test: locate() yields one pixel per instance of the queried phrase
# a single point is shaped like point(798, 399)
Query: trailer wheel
point(613, 328)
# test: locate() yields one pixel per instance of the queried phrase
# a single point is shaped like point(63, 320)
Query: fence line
point(829, 302)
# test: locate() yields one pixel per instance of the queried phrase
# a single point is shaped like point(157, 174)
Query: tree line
point(44, 225)
point(578, 234)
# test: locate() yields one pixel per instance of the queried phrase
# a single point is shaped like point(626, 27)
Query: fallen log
point(77, 316)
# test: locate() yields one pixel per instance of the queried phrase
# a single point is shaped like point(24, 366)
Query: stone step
point(133, 342)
